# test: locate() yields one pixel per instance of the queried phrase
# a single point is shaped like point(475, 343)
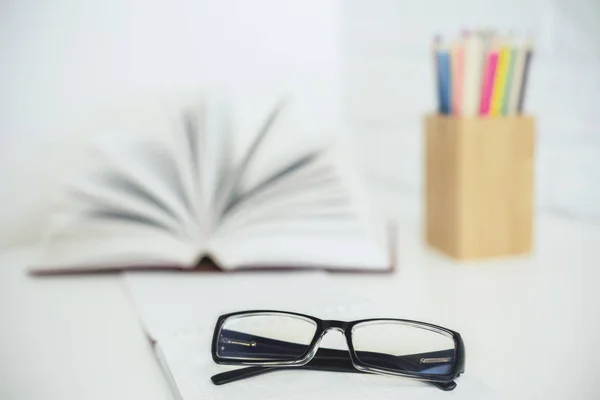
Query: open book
point(175, 204)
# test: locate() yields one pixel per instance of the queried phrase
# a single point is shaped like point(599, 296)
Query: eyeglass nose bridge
point(326, 325)
point(340, 326)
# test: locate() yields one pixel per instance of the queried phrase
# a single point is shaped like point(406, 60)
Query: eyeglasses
point(270, 341)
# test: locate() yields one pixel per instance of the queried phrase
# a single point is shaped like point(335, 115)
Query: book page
point(147, 171)
point(128, 210)
point(302, 128)
point(304, 180)
point(101, 243)
point(270, 184)
point(231, 187)
point(112, 195)
point(304, 244)
point(314, 216)
point(273, 133)
point(186, 161)
point(206, 142)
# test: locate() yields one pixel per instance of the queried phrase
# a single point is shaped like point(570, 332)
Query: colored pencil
point(488, 82)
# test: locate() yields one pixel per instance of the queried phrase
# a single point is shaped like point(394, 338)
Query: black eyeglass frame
point(324, 361)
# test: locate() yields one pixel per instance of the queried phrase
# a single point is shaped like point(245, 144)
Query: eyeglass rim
point(346, 327)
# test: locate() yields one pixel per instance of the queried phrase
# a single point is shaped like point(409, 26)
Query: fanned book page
point(282, 202)
point(179, 313)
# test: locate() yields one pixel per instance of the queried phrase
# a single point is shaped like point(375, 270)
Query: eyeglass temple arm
point(324, 359)
point(316, 364)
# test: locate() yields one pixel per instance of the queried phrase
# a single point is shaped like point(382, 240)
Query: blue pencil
point(444, 65)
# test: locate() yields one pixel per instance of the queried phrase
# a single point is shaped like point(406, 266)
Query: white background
point(64, 65)
point(389, 85)
point(67, 64)
point(530, 324)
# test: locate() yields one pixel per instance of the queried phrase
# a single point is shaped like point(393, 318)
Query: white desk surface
point(531, 325)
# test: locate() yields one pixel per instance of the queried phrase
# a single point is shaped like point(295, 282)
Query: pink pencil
point(488, 82)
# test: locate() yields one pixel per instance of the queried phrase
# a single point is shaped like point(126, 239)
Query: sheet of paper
point(179, 312)
point(190, 366)
point(171, 302)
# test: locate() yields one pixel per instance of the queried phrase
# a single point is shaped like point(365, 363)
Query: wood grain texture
point(479, 185)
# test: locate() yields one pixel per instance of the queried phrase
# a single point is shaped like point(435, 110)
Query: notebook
point(178, 314)
point(187, 203)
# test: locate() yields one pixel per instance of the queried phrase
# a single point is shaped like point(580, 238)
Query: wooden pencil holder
point(479, 185)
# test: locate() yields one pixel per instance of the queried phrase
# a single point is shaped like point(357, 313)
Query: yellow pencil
point(500, 81)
